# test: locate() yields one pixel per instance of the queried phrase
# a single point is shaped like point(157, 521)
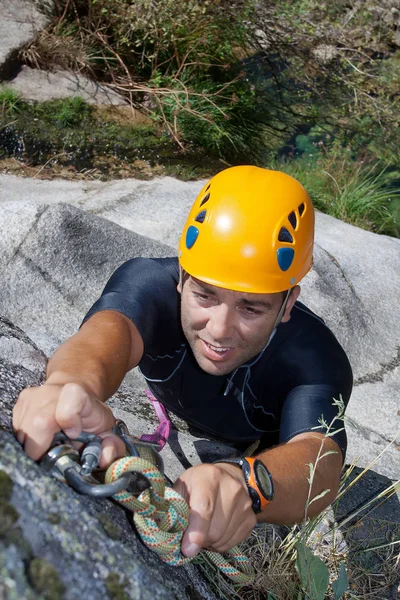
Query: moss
point(69, 134)
point(113, 531)
point(8, 516)
point(6, 486)
point(45, 579)
point(15, 537)
point(54, 518)
point(116, 587)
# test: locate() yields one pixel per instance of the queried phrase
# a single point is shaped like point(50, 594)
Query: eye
point(202, 298)
point(251, 311)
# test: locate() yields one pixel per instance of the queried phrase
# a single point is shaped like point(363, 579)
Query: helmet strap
point(282, 309)
point(279, 317)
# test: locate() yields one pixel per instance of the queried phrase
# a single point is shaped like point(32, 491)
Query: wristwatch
point(258, 480)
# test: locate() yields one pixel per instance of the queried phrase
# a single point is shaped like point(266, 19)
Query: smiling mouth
point(216, 352)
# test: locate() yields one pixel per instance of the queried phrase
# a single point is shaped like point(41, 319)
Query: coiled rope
point(161, 516)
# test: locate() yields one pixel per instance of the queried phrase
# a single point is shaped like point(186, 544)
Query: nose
point(221, 324)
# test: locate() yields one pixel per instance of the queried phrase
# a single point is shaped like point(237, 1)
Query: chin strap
point(282, 309)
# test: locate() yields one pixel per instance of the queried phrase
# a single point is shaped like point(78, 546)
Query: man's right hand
point(40, 412)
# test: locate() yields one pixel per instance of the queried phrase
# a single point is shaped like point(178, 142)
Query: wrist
point(258, 480)
point(234, 470)
point(61, 378)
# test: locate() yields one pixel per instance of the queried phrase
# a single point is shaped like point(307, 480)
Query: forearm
point(288, 465)
point(97, 357)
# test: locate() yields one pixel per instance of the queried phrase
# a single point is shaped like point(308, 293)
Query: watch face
point(264, 480)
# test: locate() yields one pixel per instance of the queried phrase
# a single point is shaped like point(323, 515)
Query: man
point(223, 343)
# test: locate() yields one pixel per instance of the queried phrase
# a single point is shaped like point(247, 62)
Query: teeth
point(218, 349)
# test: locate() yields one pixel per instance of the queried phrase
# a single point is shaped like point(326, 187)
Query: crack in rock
point(370, 434)
point(343, 274)
point(17, 251)
point(384, 370)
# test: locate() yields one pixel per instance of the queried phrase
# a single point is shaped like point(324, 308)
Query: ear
point(294, 294)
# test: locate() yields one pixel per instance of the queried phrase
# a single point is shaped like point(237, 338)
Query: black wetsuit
point(283, 391)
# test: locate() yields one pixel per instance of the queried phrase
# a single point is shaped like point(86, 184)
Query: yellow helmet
point(249, 230)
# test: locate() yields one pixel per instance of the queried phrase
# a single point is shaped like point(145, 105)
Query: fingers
point(197, 533)
point(34, 428)
point(70, 407)
point(112, 448)
point(220, 509)
point(41, 412)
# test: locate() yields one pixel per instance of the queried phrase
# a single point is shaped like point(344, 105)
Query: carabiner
point(138, 447)
point(63, 461)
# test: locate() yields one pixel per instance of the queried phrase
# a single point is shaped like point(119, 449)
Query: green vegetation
point(349, 558)
point(45, 579)
point(8, 517)
point(261, 83)
point(349, 191)
point(116, 587)
point(6, 486)
point(10, 100)
point(73, 135)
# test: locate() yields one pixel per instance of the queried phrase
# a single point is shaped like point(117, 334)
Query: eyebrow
point(244, 301)
point(261, 303)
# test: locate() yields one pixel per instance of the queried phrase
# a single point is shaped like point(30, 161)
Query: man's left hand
point(221, 513)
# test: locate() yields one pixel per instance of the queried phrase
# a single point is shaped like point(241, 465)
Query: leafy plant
point(313, 572)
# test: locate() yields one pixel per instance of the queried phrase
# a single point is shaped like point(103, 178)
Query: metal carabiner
point(64, 462)
point(138, 447)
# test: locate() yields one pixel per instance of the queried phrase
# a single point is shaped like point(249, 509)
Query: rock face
point(19, 23)
point(54, 543)
point(38, 85)
point(56, 260)
point(22, 364)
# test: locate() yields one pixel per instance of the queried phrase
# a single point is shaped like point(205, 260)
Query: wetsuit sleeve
point(314, 407)
point(144, 290)
point(317, 378)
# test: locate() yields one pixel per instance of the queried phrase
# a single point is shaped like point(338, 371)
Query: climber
point(222, 342)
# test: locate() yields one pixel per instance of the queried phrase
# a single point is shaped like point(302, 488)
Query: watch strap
point(257, 495)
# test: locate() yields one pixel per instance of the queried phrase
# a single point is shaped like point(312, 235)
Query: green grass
point(364, 196)
point(10, 100)
point(102, 143)
point(72, 129)
point(68, 112)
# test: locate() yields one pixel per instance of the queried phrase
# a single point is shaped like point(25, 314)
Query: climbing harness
point(161, 435)
point(138, 483)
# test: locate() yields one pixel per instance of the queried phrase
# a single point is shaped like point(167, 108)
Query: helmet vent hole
point(201, 216)
point(208, 187)
point(285, 236)
point(301, 208)
point(205, 199)
point(293, 219)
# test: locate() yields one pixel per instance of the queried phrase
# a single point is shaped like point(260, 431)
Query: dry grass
point(367, 546)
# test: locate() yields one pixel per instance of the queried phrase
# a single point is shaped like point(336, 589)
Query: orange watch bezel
point(252, 481)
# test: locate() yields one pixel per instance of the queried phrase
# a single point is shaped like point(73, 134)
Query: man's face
point(225, 328)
